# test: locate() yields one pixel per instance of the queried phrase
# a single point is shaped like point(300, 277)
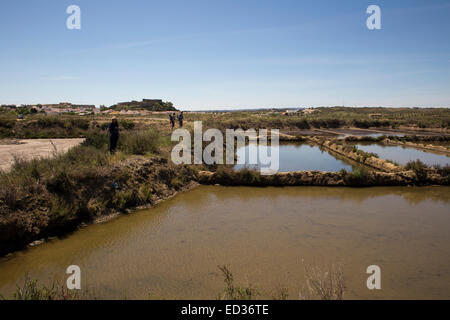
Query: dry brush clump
point(325, 284)
point(320, 284)
point(233, 291)
point(32, 290)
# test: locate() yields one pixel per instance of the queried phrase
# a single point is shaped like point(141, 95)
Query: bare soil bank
point(306, 178)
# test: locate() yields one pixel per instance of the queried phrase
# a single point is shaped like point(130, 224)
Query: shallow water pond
point(296, 157)
point(267, 237)
point(403, 155)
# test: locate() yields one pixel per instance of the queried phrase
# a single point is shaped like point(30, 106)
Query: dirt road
point(32, 148)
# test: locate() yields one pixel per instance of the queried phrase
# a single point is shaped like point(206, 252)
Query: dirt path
point(32, 148)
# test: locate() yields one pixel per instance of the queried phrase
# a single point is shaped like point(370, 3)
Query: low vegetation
point(388, 118)
point(31, 290)
point(73, 126)
point(357, 178)
point(320, 284)
point(420, 170)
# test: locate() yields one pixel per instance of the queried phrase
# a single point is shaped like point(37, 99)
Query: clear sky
point(217, 54)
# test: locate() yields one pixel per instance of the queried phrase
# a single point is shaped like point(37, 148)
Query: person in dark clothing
point(172, 119)
point(113, 129)
point(180, 119)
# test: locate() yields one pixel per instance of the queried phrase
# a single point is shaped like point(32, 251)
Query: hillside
point(145, 104)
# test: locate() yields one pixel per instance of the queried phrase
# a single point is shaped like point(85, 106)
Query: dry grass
point(233, 292)
point(322, 284)
point(31, 290)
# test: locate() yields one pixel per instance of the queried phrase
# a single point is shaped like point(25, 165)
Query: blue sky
point(226, 54)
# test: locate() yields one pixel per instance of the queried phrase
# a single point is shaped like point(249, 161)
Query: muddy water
point(267, 236)
point(297, 157)
point(403, 155)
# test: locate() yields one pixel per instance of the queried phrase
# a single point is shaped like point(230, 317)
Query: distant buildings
point(66, 108)
point(133, 108)
point(61, 108)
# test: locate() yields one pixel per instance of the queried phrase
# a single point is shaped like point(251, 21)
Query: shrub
point(357, 178)
point(7, 123)
point(99, 140)
point(60, 182)
point(233, 292)
point(165, 175)
point(302, 124)
point(443, 171)
point(324, 285)
point(420, 169)
point(31, 290)
point(248, 176)
point(123, 199)
point(61, 211)
point(145, 193)
point(127, 124)
point(140, 142)
point(176, 182)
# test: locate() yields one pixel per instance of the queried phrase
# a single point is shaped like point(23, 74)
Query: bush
point(127, 124)
point(99, 140)
point(233, 292)
point(30, 290)
point(177, 183)
point(61, 211)
point(443, 171)
point(357, 178)
point(123, 199)
point(58, 121)
point(7, 123)
point(140, 143)
point(145, 193)
point(420, 169)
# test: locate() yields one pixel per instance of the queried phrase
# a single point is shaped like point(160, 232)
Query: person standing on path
point(172, 119)
point(113, 129)
point(180, 119)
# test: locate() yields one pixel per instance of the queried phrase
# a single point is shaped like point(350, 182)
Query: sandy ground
point(32, 148)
